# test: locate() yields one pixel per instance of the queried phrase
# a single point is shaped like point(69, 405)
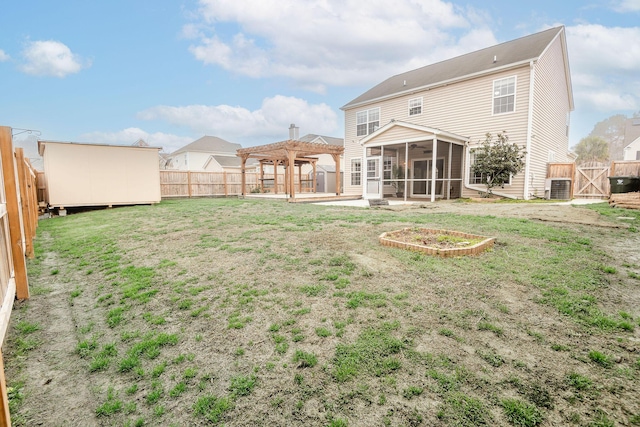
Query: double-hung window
point(356, 172)
point(504, 95)
point(367, 121)
point(415, 106)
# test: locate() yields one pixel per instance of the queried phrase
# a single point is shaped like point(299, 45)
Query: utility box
point(80, 174)
point(558, 188)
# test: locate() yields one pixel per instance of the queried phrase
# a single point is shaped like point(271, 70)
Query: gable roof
point(230, 161)
point(509, 54)
point(209, 144)
point(312, 137)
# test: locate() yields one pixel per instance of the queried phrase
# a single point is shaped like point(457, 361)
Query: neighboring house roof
point(140, 143)
point(230, 162)
point(321, 139)
point(484, 61)
point(209, 144)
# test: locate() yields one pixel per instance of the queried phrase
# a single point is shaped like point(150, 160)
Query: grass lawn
point(247, 313)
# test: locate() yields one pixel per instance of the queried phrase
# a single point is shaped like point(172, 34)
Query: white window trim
point(368, 111)
point(351, 170)
point(472, 175)
point(515, 95)
point(420, 98)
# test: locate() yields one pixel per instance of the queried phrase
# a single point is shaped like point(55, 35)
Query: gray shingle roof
point(521, 50)
point(233, 162)
point(312, 137)
point(210, 144)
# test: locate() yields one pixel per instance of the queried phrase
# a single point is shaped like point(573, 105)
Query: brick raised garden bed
point(443, 243)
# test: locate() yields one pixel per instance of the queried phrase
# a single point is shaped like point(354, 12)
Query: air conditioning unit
point(558, 188)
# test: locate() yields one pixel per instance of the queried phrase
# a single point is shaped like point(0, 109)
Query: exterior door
point(374, 186)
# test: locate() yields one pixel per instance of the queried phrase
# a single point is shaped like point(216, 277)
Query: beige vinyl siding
point(551, 106)
point(464, 108)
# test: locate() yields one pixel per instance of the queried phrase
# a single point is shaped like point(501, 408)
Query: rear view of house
point(414, 134)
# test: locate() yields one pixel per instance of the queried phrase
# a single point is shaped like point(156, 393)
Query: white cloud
point(129, 136)
point(51, 58)
point(269, 123)
point(4, 56)
point(604, 64)
point(333, 42)
point(624, 6)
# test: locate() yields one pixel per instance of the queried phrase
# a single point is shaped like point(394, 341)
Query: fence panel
point(625, 168)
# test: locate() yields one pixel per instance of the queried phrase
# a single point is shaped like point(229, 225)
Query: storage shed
point(80, 174)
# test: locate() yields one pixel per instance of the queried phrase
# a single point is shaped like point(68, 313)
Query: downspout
point(527, 168)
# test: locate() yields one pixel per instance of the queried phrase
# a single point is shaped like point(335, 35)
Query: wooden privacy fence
point(591, 179)
point(625, 168)
point(213, 184)
point(18, 221)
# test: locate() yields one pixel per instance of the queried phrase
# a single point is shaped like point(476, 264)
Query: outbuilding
point(82, 174)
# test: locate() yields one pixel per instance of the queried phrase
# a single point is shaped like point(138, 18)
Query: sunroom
point(412, 162)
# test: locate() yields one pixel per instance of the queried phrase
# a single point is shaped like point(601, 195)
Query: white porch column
point(449, 171)
point(363, 172)
point(434, 157)
point(406, 169)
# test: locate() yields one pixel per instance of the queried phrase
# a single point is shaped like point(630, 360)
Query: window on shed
point(504, 95)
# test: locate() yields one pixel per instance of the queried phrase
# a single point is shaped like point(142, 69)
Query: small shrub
point(241, 385)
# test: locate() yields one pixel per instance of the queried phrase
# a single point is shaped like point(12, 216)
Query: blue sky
point(171, 71)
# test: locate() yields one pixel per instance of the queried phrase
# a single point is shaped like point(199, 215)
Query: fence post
point(13, 213)
point(5, 418)
point(189, 183)
point(25, 199)
point(226, 190)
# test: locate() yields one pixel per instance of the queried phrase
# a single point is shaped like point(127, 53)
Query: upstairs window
point(504, 95)
point(367, 121)
point(415, 106)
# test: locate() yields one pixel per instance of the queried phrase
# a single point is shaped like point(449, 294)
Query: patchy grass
point(235, 312)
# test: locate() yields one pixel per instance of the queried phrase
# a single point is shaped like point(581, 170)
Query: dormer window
point(415, 106)
point(504, 95)
point(367, 121)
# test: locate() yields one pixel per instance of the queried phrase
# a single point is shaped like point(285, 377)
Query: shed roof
point(508, 54)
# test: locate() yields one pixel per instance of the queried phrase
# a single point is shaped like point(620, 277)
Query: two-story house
point(414, 134)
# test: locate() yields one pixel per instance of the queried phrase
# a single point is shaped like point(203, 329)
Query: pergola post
point(243, 166)
point(336, 159)
point(291, 159)
point(275, 176)
point(314, 176)
point(300, 177)
point(261, 176)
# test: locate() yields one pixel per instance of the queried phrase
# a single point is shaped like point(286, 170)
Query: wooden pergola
point(290, 154)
